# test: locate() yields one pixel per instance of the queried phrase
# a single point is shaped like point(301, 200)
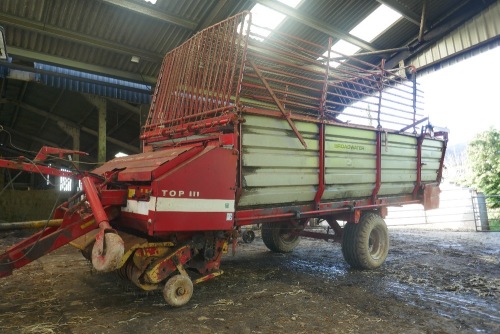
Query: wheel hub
point(374, 243)
point(180, 291)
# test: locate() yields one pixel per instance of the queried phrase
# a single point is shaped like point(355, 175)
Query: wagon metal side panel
point(432, 151)
point(399, 164)
point(350, 162)
point(276, 169)
point(198, 195)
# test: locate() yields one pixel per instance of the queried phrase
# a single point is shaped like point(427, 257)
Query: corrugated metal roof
point(99, 37)
point(103, 34)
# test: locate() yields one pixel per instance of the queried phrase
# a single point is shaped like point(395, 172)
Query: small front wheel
point(365, 245)
point(178, 290)
point(248, 236)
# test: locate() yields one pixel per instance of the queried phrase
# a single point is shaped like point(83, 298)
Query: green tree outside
point(483, 155)
point(484, 163)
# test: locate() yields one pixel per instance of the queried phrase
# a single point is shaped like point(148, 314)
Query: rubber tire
point(365, 245)
point(277, 237)
point(248, 236)
point(171, 290)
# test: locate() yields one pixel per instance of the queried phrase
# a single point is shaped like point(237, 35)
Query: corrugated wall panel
point(477, 31)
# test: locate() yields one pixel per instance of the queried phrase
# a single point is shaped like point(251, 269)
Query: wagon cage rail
point(238, 67)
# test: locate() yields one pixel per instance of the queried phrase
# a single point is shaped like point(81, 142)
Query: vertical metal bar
point(190, 90)
point(321, 172)
point(210, 100)
point(414, 80)
point(472, 197)
point(196, 90)
point(232, 62)
point(381, 87)
point(154, 100)
point(239, 191)
point(325, 83)
point(101, 142)
point(220, 69)
point(418, 182)
point(211, 51)
point(235, 51)
point(184, 80)
point(441, 162)
point(243, 37)
point(164, 101)
point(378, 166)
point(176, 87)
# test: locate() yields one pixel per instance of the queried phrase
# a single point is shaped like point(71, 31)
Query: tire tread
point(355, 239)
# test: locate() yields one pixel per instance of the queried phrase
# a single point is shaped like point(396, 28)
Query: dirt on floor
point(432, 282)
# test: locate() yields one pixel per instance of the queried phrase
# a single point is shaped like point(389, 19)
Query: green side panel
point(278, 170)
point(399, 164)
point(276, 195)
point(396, 188)
point(346, 176)
point(348, 190)
point(276, 167)
point(431, 158)
point(259, 157)
point(267, 178)
point(350, 162)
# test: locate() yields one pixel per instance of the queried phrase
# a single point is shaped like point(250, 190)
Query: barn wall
point(22, 205)
point(482, 32)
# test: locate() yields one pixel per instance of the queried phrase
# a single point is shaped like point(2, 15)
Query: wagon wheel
point(365, 245)
point(280, 237)
point(178, 290)
point(248, 236)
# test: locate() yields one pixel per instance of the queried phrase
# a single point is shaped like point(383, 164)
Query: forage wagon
point(245, 129)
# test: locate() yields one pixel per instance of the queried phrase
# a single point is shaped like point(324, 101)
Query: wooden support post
point(100, 104)
point(75, 136)
point(422, 22)
point(101, 150)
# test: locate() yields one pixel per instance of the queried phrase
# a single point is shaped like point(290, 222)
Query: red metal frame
point(200, 82)
point(76, 220)
point(321, 173)
point(45, 151)
point(441, 164)
point(418, 182)
point(48, 240)
point(378, 165)
point(34, 168)
point(343, 208)
point(296, 80)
